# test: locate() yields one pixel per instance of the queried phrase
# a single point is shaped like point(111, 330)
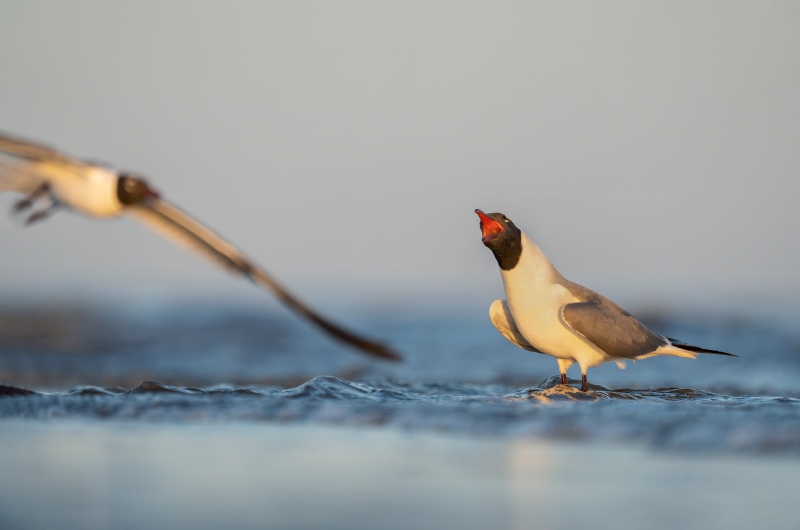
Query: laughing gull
point(545, 313)
point(44, 174)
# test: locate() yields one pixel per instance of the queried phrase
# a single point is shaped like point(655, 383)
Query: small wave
point(328, 387)
point(331, 388)
point(665, 418)
point(14, 391)
point(151, 387)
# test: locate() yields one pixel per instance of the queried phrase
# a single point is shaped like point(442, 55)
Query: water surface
point(221, 364)
point(131, 475)
point(205, 416)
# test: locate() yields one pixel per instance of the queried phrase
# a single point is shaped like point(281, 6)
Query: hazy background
point(651, 148)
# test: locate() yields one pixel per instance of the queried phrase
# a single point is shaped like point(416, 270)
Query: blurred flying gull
point(44, 174)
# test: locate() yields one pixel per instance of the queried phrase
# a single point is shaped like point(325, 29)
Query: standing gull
point(545, 313)
point(44, 174)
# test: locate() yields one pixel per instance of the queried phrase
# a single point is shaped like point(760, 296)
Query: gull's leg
point(584, 383)
point(563, 366)
point(27, 202)
point(41, 215)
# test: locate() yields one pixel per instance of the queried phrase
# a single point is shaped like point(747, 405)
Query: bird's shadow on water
point(551, 390)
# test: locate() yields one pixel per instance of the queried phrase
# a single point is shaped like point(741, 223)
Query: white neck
point(532, 269)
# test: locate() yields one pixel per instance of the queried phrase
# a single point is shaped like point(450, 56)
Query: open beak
point(489, 227)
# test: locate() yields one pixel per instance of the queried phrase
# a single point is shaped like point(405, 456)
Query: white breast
point(92, 192)
point(535, 297)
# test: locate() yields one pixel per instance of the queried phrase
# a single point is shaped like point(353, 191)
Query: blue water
point(205, 363)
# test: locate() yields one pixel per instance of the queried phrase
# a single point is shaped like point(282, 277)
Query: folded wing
point(611, 328)
point(500, 315)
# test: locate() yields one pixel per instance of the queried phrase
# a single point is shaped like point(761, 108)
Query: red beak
point(489, 227)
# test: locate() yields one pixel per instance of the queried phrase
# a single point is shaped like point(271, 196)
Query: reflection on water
point(247, 475)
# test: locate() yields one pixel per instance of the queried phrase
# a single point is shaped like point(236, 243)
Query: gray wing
point(611, 328)
point(33, 151)
point(24, 173)
point(500, 315)
point(189, 233)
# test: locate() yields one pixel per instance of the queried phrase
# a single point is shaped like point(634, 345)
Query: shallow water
point(130, 475)
point(206, 416)
point(665, 418)
point(221, 364)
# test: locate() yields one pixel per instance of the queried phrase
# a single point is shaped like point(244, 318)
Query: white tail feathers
point(669, 349)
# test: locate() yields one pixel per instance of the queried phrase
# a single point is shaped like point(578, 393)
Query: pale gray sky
point(651, 148)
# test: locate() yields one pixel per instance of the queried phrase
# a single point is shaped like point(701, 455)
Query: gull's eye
point(505, 218)
point(130, 190)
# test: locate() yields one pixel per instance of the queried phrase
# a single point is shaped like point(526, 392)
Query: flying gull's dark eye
point(130, 190)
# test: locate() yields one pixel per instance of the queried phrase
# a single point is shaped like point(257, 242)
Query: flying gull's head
point(132, 189)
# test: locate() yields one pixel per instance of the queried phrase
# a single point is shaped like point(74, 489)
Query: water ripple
point(665, 418)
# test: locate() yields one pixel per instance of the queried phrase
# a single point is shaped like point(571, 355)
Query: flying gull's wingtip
point(381, 351)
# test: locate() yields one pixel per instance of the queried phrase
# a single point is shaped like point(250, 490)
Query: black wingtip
point(383, 352)
point(369, 347)
point(715, 352)
point(697, 349)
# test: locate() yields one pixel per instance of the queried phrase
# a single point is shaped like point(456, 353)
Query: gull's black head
point(502, 237)
point(132, 189)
